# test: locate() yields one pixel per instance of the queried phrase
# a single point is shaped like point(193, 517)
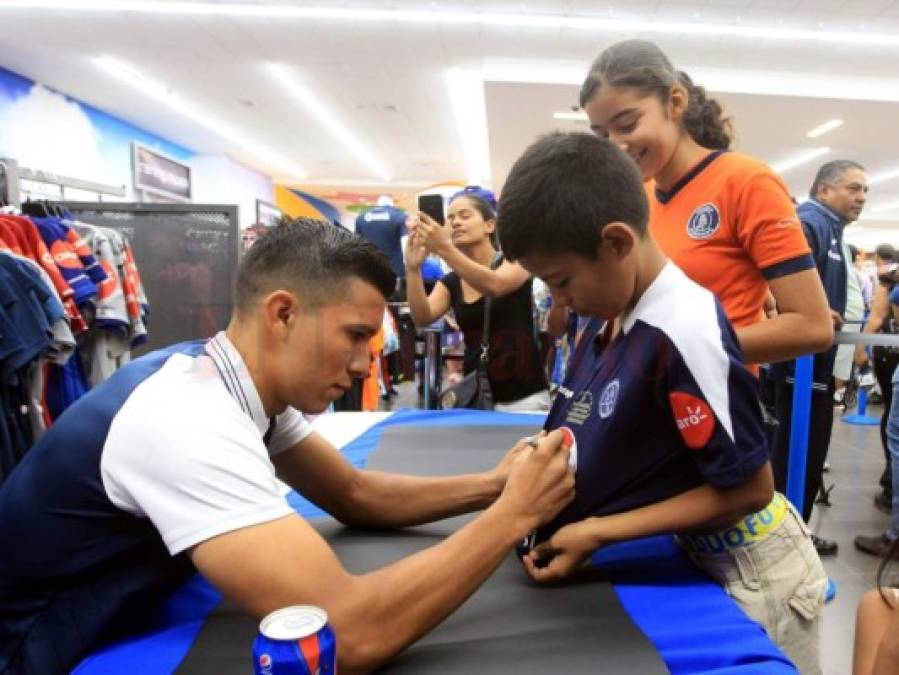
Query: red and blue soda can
point(295, 641)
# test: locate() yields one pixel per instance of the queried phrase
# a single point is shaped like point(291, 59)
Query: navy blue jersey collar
point(665, 197)
point(827, 211)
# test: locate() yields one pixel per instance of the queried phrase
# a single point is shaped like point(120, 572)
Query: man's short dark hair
point(830, 173)
point(563, 190)
point(312, 258)
point(885, 252)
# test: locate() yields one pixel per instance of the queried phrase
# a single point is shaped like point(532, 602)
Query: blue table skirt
point(691, 621)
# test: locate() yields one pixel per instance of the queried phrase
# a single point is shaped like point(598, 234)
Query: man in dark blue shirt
point(836, 199)
point(384, 226)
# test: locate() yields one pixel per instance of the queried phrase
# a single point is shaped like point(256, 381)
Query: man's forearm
point(425, 588)
point(382, 499)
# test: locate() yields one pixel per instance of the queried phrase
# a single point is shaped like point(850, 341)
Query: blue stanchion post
point(799, 426)
point(861, 417)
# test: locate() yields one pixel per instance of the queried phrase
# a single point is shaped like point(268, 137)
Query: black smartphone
point(432, 205)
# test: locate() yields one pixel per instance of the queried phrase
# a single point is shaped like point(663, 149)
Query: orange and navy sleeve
point(768, 228)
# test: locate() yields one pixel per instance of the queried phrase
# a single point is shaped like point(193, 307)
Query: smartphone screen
point(432, 205)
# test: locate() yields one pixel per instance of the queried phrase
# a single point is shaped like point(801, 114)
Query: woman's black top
point(514, 368)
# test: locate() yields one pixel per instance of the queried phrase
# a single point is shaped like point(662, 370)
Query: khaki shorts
point(779, 582)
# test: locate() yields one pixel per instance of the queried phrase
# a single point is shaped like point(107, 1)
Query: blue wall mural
point(46, 130)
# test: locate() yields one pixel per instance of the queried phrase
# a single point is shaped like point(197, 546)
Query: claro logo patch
point(694, 419)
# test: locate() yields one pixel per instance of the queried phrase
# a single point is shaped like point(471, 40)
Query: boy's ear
point(618, 238)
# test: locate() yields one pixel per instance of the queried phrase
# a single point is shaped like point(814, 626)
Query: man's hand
point(436, 237)
point(540, 483)
point(500, 473)
point(861, 356)
point(837, 320)
point(564, 552)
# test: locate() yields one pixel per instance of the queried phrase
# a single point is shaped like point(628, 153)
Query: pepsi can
point(295, 641)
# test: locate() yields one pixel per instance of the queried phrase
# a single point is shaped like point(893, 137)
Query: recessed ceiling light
point(798, 159)
point(161, 93)
point(579, 116)
point(312, 102)
point(822, 129)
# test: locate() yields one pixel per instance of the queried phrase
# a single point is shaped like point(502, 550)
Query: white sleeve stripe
point(688, 315)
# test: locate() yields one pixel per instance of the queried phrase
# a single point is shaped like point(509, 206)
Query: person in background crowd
point(169, 468)
point(515, 369)
point(385, 226)
point(724, 218)
point(853, 319)
point(885, 360)
point(836, 198)
point(883, 544)
point(865, 280)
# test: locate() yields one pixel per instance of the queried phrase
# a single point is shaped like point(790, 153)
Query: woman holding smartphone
point(465, 243)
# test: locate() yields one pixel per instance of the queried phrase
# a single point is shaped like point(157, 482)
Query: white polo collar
point(655, 293)
point(236, 378)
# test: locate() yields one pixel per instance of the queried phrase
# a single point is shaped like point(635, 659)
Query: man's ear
point(280, 309)
point(618, 239)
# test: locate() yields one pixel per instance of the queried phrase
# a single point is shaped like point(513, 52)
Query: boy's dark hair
point(312, 258)
point(642, 65)
point(563, 190)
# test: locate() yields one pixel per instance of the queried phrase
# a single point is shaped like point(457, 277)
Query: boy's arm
point(704, 509)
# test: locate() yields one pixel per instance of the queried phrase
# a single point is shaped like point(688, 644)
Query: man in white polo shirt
point(170, 466)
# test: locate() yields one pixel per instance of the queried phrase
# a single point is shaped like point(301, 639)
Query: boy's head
point(574, 213)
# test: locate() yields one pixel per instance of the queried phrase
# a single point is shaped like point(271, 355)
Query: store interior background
point(348, 101)
point(321, 108)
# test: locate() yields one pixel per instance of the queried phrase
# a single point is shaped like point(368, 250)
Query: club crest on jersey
point(609, 398)
point(704, 222)
point(694, 419)
point(580, 408)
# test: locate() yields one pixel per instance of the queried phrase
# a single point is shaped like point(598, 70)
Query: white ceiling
point(383, 76)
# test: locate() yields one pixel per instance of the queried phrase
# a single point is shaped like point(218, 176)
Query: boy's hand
point(564, 552)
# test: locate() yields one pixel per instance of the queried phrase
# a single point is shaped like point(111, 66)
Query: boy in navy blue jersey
point(665, 416)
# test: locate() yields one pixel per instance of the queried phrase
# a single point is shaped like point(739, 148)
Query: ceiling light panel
point(883, 176)
point(466, 93)
point(161, 93)
point(798, 159)
point(822, 129)
point(311, 102)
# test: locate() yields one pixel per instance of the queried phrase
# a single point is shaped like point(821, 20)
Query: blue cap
point(477, 191)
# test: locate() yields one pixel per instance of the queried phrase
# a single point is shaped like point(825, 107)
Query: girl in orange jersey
point(725, 218)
